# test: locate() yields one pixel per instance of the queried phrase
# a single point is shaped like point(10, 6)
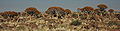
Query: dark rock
point(1, 27)
point(55, 15)
point(59, 17)
point(2, 20)
point(86, 27)
point(92, 18)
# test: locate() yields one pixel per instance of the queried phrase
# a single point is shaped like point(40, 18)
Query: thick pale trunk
point(30, 18)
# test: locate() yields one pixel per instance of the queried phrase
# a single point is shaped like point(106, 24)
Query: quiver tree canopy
point(87, 8)
point(32, 10)
point(111, 10)
point(67, 11)
point(54, 10)
point(82, 9)
point(102, 6)
point(9, 13)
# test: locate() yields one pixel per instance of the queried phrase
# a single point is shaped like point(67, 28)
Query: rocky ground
point(22, 23)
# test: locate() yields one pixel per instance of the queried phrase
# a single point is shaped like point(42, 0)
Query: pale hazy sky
point(42, 5)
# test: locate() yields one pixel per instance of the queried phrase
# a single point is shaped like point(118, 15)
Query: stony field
point(67, 23)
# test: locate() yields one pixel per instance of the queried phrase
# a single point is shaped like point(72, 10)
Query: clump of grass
point(75, 15)
point(113, 23)
point(83, 17)
point(21, 27)
point(75, 23)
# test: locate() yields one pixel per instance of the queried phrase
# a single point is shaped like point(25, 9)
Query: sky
point(43, 5)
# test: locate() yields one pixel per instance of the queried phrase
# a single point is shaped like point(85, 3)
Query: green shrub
point(21, 27)
point(75, 23)
point(113, 23)
point(75, 15)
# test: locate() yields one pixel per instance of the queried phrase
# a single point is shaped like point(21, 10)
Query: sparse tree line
point(86, 12)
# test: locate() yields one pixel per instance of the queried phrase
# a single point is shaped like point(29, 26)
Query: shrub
point(113, 23)
point(21, 27)
point(75, 23)
point(75, 15)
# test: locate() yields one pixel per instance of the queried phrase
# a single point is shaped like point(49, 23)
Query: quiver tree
point(102, 7)
point(55, 10)
point(82, 10)
point(67, 11)
point(111, 10)
point(32, 11)
point(88, 9)
point(10, 14)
